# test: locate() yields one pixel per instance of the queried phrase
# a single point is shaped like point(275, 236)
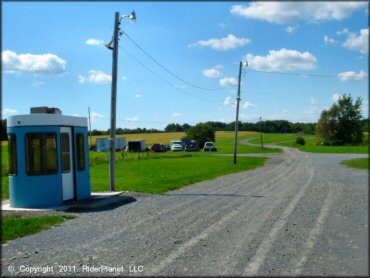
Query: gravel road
point(300, 214)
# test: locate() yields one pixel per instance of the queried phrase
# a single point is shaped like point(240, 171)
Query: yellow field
point(164, 138)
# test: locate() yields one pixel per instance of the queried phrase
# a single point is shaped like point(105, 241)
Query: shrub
point(300, 141)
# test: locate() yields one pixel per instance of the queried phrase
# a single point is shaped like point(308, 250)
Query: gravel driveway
point(300, 214)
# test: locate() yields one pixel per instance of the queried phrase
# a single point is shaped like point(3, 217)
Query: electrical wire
point(161, 78)
point(169, 71)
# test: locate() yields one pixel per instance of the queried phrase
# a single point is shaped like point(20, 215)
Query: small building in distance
point(103, 144)
point(137, 145)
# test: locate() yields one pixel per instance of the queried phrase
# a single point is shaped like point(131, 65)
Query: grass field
point(161, 175)
point(160, 172)
point(15, 226)
point(359, 163)
point(310, 146)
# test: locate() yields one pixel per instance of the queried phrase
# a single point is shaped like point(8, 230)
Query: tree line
point(270, 126)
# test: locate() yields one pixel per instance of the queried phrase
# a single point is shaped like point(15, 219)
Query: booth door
point(67, 162)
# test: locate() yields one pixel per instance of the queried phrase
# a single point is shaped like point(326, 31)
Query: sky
point(179, 62)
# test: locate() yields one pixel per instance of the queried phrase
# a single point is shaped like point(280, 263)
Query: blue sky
point(301, 58)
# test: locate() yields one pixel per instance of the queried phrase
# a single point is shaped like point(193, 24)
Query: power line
point(169, 71)
point(163, 79)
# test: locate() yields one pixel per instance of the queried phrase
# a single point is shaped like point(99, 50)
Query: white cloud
point(228, 81)
point(336, 97)
point(283, 60)
point(137, 96)
point(132, 119)
point(213, 72)
point(342, 32)
point(8, 111)
point(290, 29)
point(176, 114)
point(228, 102)
point(94, 42)
point(351, 75)
point(288, 12)
point(230, 42)
point(96, 77)
point(313, 101)
point(248, 105)
point(358, 42)
point(124, 78)
point(31, 63)
point(329, 40)
point(95, 116)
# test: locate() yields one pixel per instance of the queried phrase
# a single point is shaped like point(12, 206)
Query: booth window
point(66, 154)
point(41, 153)
point(80, 152)
point(13, 162)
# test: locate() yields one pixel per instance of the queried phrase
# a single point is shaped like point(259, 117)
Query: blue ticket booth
point(48, 159)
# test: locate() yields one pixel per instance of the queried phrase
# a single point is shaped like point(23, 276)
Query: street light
point(113, 45)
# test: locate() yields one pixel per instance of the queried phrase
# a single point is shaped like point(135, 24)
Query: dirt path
point(300, 214)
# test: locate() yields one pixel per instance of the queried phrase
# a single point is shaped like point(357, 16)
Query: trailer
point(104, 144)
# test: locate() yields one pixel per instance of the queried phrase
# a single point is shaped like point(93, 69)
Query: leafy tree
point(201, 133)
point(341, 124)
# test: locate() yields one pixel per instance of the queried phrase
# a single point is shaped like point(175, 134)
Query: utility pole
point(112, 157)
point(90, 128)
point(237, 113)
point(113, 45)
point(261, 132)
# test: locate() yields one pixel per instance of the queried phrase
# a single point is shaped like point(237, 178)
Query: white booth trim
point(46, 119)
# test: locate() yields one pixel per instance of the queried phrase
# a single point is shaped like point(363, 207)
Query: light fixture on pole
point(113, 45)
point(241, 64)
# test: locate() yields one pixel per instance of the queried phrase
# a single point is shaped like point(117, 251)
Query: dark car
point(157, 147)
point(191, 147)
point(166, 147)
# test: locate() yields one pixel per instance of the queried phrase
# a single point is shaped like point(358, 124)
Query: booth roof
point(46, 119)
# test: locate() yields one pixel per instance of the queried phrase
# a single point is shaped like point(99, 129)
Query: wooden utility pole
point(90, 128)
point(112, 157)
point(237, 113)
point(261, 132)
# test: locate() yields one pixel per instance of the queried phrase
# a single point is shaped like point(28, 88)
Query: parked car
point(166, 147)
point(210, 147)
point(157, 147)
point(176, 147)
point(191, 147)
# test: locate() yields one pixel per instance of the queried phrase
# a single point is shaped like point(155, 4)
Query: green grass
point(225, 142)
point(288, 140)
point(177, 168)
point(359, 163)
point(15, 226)
point(161, 175)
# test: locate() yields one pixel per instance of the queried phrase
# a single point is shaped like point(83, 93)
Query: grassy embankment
point(311, 144)
point(358, 163)
point(16, 226)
